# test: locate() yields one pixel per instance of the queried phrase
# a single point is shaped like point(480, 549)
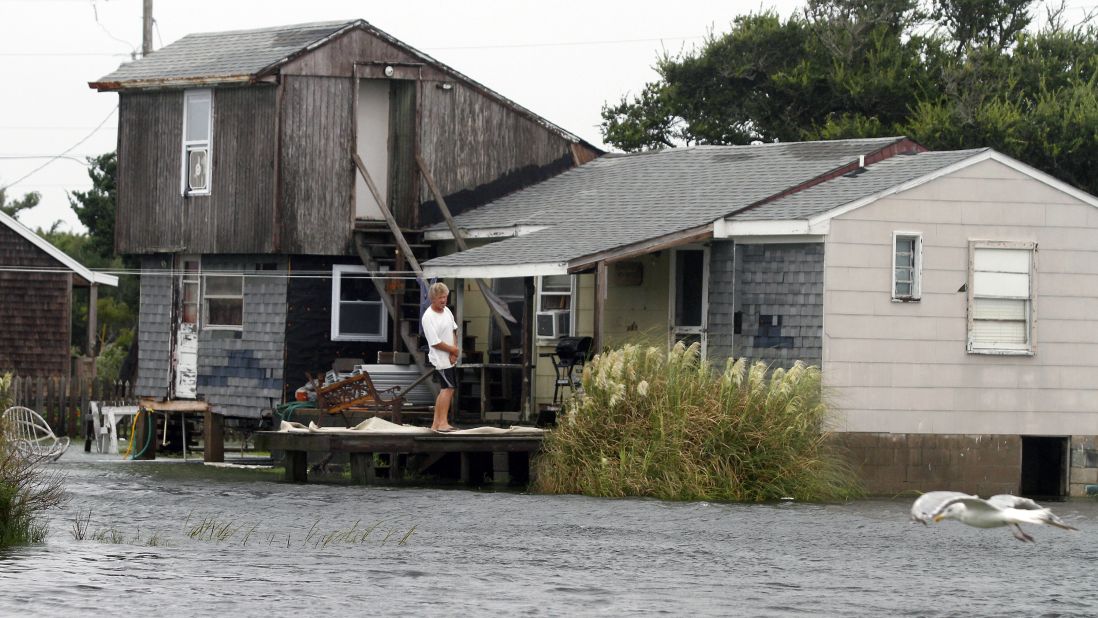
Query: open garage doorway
point(1044, 467)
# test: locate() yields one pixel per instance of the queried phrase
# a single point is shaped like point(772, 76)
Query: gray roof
point(221, 56)
point(848, 188)
point(619, 200)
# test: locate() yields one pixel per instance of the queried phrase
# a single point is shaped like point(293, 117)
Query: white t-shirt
point(438, 327)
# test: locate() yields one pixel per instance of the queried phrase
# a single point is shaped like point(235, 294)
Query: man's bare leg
point(442, 409)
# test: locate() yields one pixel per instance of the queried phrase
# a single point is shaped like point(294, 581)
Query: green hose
point(151, 429)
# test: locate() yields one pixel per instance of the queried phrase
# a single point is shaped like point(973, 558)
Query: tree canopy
point(947, 73)
point(12, 208)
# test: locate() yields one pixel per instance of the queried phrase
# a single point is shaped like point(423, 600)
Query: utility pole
point(146, 28)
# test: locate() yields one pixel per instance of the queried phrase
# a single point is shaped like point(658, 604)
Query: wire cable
point(63, 154)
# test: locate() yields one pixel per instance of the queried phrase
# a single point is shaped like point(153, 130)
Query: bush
point(27, 488)
point(668, 426)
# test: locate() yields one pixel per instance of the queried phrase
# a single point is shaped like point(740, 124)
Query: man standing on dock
point(440, 328)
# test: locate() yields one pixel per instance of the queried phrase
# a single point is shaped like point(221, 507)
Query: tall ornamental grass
point(667, 425)
point(27, 488)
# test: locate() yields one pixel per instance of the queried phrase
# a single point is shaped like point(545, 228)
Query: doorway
point(1044, 467)
point(689, 296)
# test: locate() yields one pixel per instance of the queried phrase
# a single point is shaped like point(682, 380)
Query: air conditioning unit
point(198, 169)
point(553, 324)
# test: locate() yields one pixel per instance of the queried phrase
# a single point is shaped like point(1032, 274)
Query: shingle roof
point(849, 188)
point(619, 200)
point(214, 56)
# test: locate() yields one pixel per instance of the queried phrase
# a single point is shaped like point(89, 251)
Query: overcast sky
point(561, 59)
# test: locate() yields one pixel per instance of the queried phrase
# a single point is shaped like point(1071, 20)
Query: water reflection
point(510, 553)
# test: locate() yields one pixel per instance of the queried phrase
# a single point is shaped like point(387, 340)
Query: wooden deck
point(361, 448)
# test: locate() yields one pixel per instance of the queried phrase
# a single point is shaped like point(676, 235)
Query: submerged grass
point(667, 425)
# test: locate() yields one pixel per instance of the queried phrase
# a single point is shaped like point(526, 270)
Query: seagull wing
point(1007, 501)
point(927, 504)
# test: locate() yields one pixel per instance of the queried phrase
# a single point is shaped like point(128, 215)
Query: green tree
point(14, 207)
point(948, 73)
point(95, 207)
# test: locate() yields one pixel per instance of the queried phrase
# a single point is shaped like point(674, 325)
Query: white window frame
point(338, 270)
point(1029, 347)
point(916, 270)
point(206, 297)
point(571, 294)
point(188, 145)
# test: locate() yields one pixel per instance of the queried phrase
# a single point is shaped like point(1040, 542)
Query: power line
point(66, 152)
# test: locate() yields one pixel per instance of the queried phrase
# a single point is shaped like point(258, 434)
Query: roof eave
point(181, 82)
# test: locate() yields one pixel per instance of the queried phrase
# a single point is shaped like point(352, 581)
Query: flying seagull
point(926, 504)
point(998, 511)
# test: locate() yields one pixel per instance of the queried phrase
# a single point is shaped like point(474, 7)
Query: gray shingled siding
point(240, 372)
point(721, 302)
point(154, 328)
point(783, 282)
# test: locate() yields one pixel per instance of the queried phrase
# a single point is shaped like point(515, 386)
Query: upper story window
point(556, 307)
point(358, 313)
point(907, 266)
point(197, 137)
point(1000, 297)
point(223, 301)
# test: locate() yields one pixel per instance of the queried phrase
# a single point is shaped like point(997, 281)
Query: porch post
point(600, 303)
point(527, 392)
point(93, 300)
point(459, 316)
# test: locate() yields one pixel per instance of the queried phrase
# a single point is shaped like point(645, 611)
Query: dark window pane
point(689, 270)
point(360, 318)
point(225, 311)
point(357, 287)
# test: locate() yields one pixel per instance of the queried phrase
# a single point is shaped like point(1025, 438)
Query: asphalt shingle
point(619, 200)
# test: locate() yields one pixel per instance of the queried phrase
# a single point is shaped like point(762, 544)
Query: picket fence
point(63, 401)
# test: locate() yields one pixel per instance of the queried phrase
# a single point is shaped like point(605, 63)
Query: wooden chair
point(359, 392)
point(31, 436)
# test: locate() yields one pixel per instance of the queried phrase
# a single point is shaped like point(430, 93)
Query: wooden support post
point(600, 304)
point(459, 317)
point(527, 349)
point(501, 469)
point(396, 468)
point(297, 469)
point(213, 437)
point(466, 468)
point(362, 469)
point(93, 325)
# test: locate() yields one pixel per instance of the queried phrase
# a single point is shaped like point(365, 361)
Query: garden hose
point(149, 431)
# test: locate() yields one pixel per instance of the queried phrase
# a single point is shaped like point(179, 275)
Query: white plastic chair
point(31, 435)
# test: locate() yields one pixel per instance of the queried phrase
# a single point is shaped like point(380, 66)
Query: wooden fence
point(62, 401)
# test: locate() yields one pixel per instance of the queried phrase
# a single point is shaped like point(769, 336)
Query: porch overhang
point(509, 231)
point(644, 247)
point(494, 271)
point(725, 228)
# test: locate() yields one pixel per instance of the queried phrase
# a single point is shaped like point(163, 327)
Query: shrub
point(27, 488)
point(666, 425)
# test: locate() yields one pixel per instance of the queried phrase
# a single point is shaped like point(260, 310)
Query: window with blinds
point(1001, 298)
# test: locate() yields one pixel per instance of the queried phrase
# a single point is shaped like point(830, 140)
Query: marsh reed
point(668, 425)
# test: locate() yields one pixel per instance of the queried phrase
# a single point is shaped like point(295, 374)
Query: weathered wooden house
point(237, 184)
point(948, 296)
point(36, 285)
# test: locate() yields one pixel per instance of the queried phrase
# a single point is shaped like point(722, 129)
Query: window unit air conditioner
point(198, 169)
point(552, 324)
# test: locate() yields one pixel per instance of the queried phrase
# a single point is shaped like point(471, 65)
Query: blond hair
point(437, 289)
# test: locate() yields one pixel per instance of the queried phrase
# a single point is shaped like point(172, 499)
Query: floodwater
point(462, 552)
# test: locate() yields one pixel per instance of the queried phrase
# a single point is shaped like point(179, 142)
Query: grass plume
point(667, 425)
